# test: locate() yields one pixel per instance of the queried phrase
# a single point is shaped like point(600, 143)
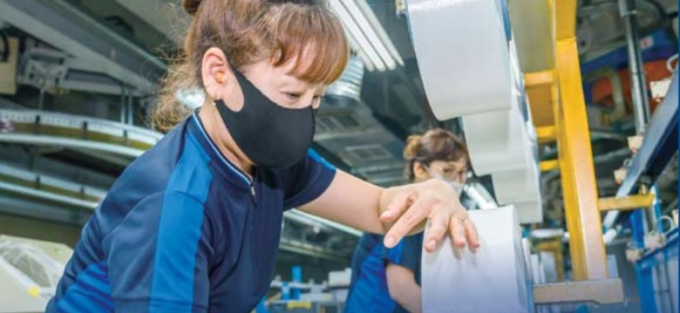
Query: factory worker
point(388, 280)
point(193, 225)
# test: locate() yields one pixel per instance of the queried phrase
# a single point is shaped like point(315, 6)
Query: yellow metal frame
point(575, 153)
point(554, 246)
point(550, 165)
point(605, 291)
point(559, 91)
point(633, 202)
point(546, 134)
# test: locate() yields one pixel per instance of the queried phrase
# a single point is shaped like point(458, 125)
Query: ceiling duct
point(349, 83)
point(365, 154)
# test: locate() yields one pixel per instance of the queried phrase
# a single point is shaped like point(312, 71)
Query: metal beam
point(68, 142)
point(626, 203)
point(546, 134)
point(604, 291)
point(65, 27)
point(26, 191)
point(550, 165)
point(46, 211)
point(658, 147)
point(539, 78)
point(575, 154)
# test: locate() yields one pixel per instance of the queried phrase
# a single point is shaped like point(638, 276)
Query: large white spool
point(462, 51)
point(492, 280)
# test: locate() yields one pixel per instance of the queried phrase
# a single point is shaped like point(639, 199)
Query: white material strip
point(463, 55)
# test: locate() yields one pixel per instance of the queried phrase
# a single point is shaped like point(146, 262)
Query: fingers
point(471, 234)
point(437, 231)
point(415, 213)
point(457, 230)
point(400, 202)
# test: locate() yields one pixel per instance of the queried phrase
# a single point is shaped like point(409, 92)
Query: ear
point(215, 72)
point(420, 172)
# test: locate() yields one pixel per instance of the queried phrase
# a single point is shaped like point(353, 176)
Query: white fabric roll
point(491, 280)
point(462, 51)
point(497, 141)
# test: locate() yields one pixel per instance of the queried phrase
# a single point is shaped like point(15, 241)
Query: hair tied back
point(191, 6)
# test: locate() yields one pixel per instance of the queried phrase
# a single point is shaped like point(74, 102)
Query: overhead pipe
point(641, 110)
point(629, 13)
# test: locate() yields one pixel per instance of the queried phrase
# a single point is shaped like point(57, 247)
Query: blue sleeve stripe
point(90, 293)
point(180, 231)
point(316, 157)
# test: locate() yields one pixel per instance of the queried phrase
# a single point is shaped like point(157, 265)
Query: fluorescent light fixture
point(357, 35)
point(370, 34)
point(366, 35)
point(377, 27)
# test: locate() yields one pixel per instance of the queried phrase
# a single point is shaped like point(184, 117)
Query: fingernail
point(431, 244)
point(389, 241)
point(386, 214)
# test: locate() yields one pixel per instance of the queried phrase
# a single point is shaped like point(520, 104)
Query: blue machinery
point(655, 281)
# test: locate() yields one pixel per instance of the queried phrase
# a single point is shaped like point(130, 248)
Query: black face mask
point(273, 137)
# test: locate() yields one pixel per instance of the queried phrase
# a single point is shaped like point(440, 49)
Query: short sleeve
point(307, 180)
point(158, 257)
point(407, 253)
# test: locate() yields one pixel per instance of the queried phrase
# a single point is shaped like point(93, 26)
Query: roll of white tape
point(462, 52)
point(497, 141)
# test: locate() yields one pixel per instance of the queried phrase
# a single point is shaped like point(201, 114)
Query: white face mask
point(458, 187)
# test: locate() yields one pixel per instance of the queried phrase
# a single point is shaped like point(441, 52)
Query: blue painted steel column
point(644, 275)
point(297, 277)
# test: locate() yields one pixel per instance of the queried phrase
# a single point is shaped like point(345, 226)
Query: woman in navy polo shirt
point(388, 280)
point(193, 225)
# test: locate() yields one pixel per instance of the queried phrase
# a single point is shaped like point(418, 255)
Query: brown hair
point(435, 145)
point(249, 31)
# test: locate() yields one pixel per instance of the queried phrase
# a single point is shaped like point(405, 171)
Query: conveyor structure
point(553, 111)
point(62, 200)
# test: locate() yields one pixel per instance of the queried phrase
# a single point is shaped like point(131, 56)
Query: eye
point(293, 96)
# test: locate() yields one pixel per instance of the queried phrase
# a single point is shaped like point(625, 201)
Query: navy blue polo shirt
point(368, 291)
point(183, 230)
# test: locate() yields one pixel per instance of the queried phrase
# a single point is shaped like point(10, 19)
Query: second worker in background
point(388, 280)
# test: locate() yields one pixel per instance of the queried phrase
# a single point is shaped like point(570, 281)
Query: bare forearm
point(350, 201)
point(411, 299)
point(403, 288)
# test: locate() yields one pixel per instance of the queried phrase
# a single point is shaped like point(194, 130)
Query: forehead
point(459, 164)
point(289, 72)
point(283, 76)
